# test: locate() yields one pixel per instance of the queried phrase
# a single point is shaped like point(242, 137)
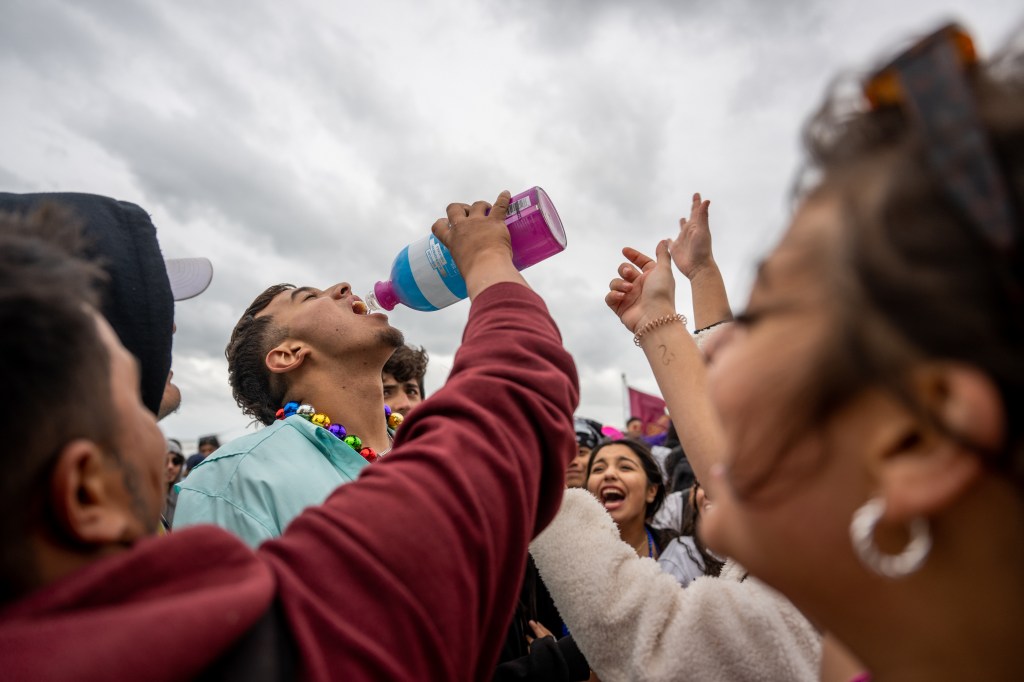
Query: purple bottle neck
point(385, 294)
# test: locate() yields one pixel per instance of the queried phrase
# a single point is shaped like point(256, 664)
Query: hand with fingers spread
point(691, 249)
point(480, 244)
point(645, 288)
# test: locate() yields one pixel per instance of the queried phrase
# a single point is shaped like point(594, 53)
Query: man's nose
point(340, 290)
point(400, 403)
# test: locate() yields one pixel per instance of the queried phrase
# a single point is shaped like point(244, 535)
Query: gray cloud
point(304, 143)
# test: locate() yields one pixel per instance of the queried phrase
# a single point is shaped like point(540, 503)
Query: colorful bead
point(337, 430)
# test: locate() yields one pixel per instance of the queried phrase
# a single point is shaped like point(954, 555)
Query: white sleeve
point(633, 622)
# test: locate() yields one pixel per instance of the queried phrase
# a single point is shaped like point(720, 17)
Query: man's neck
point(353, 399)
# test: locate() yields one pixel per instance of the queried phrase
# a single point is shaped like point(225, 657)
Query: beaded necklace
point(650, 542)
point(320, 419)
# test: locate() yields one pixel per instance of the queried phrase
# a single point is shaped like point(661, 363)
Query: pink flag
point(650, 409)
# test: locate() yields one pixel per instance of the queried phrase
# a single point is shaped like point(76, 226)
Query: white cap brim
point(189, 276)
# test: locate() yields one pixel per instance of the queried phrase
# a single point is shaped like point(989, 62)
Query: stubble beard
point(391, 337)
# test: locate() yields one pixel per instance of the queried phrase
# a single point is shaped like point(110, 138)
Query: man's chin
point(392, 337)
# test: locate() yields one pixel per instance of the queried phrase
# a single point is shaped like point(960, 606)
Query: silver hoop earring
point(862, 533)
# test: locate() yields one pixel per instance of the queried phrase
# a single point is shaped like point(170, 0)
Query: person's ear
point(82, 497)
point(286, 357)
point(928, 469)
point(652, 492)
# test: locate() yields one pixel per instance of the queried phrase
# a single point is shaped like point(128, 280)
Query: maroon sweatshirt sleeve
point(412, 572)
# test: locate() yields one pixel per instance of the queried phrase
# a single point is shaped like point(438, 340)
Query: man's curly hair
point(257, 390)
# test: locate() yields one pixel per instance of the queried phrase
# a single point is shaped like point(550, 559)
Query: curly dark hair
point(408, 363)
point(257, 390)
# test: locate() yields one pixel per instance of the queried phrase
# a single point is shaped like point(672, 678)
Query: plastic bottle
point(424, 275)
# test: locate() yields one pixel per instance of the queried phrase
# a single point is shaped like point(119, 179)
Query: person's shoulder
point(217, 470)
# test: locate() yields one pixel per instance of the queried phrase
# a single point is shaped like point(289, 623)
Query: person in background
point(402, 378)
point(588, 435)
point(634, 427)
point(687, 557)
point(625, 478)
point(175, 470)
point(207, 446)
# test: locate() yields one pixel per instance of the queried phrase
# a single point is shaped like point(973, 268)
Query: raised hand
point(480, 244)
point(645, 288)
point(691, 249)
point(539, 631)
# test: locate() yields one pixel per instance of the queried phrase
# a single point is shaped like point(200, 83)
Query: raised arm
point(692, 254)
point(643, 296)
point(408, 572)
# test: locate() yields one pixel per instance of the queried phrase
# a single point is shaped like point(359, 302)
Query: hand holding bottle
point(426, 276)
point(479, 242)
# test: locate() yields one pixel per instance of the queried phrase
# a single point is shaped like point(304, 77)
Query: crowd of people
point(840, 495)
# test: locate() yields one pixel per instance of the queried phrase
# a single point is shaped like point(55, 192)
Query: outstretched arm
point(692, 254)
point(644, 293)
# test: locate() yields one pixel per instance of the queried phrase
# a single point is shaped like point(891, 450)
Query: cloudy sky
point(308, 141)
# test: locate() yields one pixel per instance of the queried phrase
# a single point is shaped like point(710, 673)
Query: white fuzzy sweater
point(633, 622)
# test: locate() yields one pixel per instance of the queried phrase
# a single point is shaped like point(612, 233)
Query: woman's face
point(789, 486)
point(618, 481)
point(174, 465)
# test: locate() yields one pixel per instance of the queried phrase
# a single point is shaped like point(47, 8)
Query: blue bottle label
point(433, 274)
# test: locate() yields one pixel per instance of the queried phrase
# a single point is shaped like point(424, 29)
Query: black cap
point(137, 303)
point(588, 432)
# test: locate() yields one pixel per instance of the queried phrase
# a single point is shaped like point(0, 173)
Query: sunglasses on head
point(928, 81)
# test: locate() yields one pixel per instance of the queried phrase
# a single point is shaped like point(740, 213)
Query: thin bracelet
point(654, 324)
point(710, 326)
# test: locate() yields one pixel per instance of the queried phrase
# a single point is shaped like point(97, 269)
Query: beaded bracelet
point(654, 324)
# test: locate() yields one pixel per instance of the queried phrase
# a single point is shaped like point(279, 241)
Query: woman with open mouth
point(624, 476)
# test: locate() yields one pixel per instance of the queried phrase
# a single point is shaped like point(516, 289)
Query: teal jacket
point(255, 485)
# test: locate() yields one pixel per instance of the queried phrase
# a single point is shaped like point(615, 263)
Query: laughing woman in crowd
point(624, 476)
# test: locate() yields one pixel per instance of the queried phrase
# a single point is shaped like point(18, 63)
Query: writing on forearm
point(667, 356)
